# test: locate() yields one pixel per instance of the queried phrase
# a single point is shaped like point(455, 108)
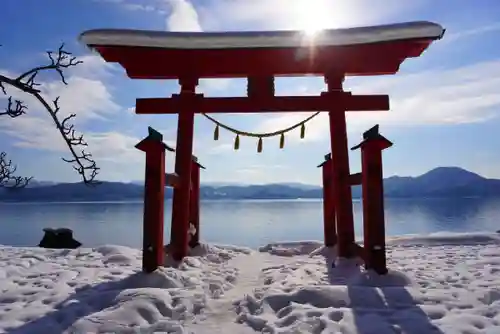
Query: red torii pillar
point(329, 223)
point(154, 192)
point(329, 226)
point(262, 99)
point(373, 199)
point(172, 179)
point(180, 199)
point(342, 194)
point(194, 201)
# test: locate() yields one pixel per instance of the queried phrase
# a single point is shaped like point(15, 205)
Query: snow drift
point(437, 284)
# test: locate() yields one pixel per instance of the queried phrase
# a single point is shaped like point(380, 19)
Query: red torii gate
point(155, 181)
point(371, 180)
point(260, 57)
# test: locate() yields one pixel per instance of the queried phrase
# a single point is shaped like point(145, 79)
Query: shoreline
point(318, 199)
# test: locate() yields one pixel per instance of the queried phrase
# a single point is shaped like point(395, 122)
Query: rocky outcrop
point(59, 238)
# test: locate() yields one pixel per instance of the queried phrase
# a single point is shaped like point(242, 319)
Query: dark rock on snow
point(59, 238)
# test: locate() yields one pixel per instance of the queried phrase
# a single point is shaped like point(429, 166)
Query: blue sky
point(445, 105)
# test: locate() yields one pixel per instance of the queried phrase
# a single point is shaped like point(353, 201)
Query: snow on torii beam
point(173, 55)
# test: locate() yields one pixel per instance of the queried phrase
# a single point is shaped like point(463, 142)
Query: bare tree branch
point(14, 109)
point(63, 60)
point(7, 177)
point(82, 162)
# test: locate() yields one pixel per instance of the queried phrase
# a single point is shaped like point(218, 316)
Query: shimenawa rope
point(239, 133)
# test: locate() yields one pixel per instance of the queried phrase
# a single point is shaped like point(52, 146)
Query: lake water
point(247, 223)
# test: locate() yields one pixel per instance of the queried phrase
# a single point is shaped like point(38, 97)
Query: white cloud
point(182, 16)
point(285, 120)
point(116, 155)
point(211, 86)
point(448, 96)
point(39, 133)
point(86, 94)
point(33, 132)
point(109, 1)
point(114, 152)
point(451, 37)
point(132, 6)
point(88, 97)
point(114, 2)
point(288, 14)
point(219, 149)
point(136, 6)
point(37, 130)
point(93, 67)
point(114, 147)
point(267, 173)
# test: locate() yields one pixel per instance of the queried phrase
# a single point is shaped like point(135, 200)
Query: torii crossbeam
point(260, 57)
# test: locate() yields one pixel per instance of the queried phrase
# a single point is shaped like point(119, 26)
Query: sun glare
point(311, 15)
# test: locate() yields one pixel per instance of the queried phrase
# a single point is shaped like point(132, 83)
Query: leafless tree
point(8, 179)
point(82, 161)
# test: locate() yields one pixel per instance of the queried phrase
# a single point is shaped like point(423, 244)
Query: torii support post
point(373, 199)
point(154, 191)
point(342, 194)
point(329, 227)
point(184, 151)
point(194, 201)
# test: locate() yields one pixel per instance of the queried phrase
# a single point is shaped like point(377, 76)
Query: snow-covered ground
point(437, 284)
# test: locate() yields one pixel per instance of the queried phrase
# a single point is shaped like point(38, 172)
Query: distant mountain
point(209, 184)
point(268, 191)
point(443, 182)
point(139, 182)
point(223, 184)
point(68, 192)
point(297, 185)
point(36, 183)
point(440, 182)
point(31, 184)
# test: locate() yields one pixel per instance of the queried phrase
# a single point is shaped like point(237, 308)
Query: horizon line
point(269, 183)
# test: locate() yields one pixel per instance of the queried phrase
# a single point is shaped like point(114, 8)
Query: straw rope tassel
point(281, 132)
point(237, 142)
point(282, 140)
point(216, 132)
